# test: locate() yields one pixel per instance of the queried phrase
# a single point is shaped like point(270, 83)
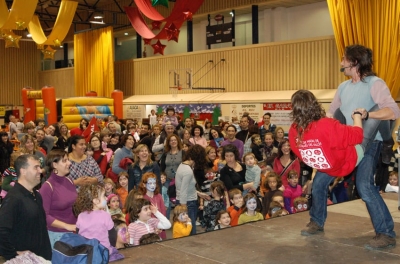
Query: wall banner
point(280, 113)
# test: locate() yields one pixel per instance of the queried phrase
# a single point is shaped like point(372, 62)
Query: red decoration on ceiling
point(155, 25)
point(147, 41)
point(172, 32)
point(187, 15)
point(182, 10)
point(158, 48)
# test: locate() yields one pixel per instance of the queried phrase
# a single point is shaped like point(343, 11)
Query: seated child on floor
point(141, 221)
point(214, 206)
point(223, 219)
point(253, 171)
point(121, 233)
point(250, 211)
point(93, 221)
point(393, 185)
point(277, 206)
point(235, 195)
point(272, 184)
point(182, 223)
point(292, 191)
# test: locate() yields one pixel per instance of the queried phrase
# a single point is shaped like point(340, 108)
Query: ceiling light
point(98, 15)
point(29, 35)
point(126, 34)
point(97, 22)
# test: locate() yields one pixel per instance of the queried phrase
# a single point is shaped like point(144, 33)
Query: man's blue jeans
point(378, 211)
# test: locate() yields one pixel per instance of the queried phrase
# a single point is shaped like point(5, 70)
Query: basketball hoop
point(174, 91)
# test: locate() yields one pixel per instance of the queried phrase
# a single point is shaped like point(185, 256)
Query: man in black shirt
point(243, 134)
point(22, 217)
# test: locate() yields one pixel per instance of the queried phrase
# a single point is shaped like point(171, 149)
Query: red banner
point(92, 127)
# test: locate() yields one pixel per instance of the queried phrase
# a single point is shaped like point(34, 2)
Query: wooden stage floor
point(278, 240)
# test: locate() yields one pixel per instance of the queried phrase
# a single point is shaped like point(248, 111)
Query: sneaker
point(312, 229)
point(198, 223)
point(381, 241)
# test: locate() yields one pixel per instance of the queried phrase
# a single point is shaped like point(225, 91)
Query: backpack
point(74, 248)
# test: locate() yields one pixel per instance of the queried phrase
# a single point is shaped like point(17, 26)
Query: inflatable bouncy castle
point(42, 104)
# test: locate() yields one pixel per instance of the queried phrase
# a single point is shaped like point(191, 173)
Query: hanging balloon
point(20, 25)
point(172, 32)
point(48, 53)
point(155, 25)
point(188, 16)
point(158, 47)
point(12, 40)
point(147, 41)
point(57, 43)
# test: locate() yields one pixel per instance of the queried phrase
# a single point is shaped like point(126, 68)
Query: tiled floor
point(278, 240)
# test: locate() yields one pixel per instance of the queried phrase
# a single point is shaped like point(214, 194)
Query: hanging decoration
point(172, 32)
point(182, 11)
point(21, 16)
point(158, 47)
point(147, 41)
point(159, 2)
point(12, 40)
point(48, 53)
point(155, 25)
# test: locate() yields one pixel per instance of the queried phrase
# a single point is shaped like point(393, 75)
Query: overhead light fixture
point(98, 15)
point(97, 22)
point(126, 34)
point(29, 35)
point(61, 46)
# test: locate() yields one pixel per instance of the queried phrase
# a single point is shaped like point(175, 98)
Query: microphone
point(342, 69)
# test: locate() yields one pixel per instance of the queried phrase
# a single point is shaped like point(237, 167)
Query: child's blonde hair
point(249, 154)
point(108, 180)
point(179, 209)
point(234, 192)
point(86, 195)
point(394, 173)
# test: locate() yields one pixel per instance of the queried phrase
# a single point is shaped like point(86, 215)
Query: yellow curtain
point(375, 24)
point(94, 62)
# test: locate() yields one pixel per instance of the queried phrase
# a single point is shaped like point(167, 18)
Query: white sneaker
point(198, 223)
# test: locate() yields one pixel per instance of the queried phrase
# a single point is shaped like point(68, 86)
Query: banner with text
point(279, 113)
point(135, 112)
point(254, 110)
